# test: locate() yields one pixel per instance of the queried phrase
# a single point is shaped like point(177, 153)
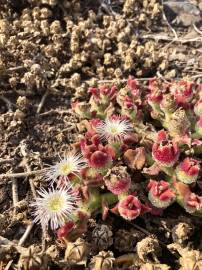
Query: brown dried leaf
point(135, 159)
point(154, 169)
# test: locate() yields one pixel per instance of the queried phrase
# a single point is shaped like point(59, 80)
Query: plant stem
point(96, 201)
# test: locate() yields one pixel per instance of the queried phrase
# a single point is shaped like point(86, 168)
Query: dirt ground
point(51, 52)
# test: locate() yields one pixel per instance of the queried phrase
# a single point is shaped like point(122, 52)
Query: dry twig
point(25, 154)
point(196, 76)
point(122, 80)
point(9, 104)
point(167, 22)
point(23, 174)
point(4, 242)
point(167, 38)
point(15, 192)
point(26, 234)
point(42, 101)
point(54, 111)
point(196, 29)
point(7, 160)
point(8, 265)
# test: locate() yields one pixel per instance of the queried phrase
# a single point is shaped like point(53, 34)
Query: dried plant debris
point(102, 237)
point(76, 253)
point(190, 259)
point(103, 261)
point(33, 259)
point(100, 45)
point(126, 240)
point(156, 266)
point(149, 246)
point(182, 232)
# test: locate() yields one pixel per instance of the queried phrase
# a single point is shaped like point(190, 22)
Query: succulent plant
point(102, 237)
point(154, 130)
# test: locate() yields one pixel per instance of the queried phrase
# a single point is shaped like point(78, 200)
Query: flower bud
point(188, 170)
point(103, 95)
point(162, 136)
point(97, 155)
point(100, 160)
point(73, 230)
point(198, 107)
point(192, 203)
point(198, 127)
point(130, 207)
point(160, 194)
point(108, 93)
point(133, 86)
point(129, 108)
point(165, 153)
point(154, 99)
point(65, 229)
point(117, 180)
point(182, 92)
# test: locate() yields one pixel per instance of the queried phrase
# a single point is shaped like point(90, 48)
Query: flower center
point(65, 169)
point(114, 130)
point(130, 206)
point(55, 204)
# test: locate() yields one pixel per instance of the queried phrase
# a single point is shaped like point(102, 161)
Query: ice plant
point(101, 159)
point(165, 152)
point(114, 129)
point(102, 99)
point(168, 104)
point(65, 229)
point(192, 203)
point(54, 207)
point(178, 124)
point(103, 94)
point(198, 127)
point(155, 96)
point(182, 92)
point(97, 155)
point(160, 194)
point(129, 207)
point(70, 231)
point(154, 99)
point(188, 170)
point(198, 107)
point(71, 164)
point(129, 108)
point(117, 180)
point(133, 86)
point(141, 144)
point(91, 177)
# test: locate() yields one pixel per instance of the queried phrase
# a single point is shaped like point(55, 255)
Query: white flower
point(114, 129)
point(54, 207)
point(71, 164)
